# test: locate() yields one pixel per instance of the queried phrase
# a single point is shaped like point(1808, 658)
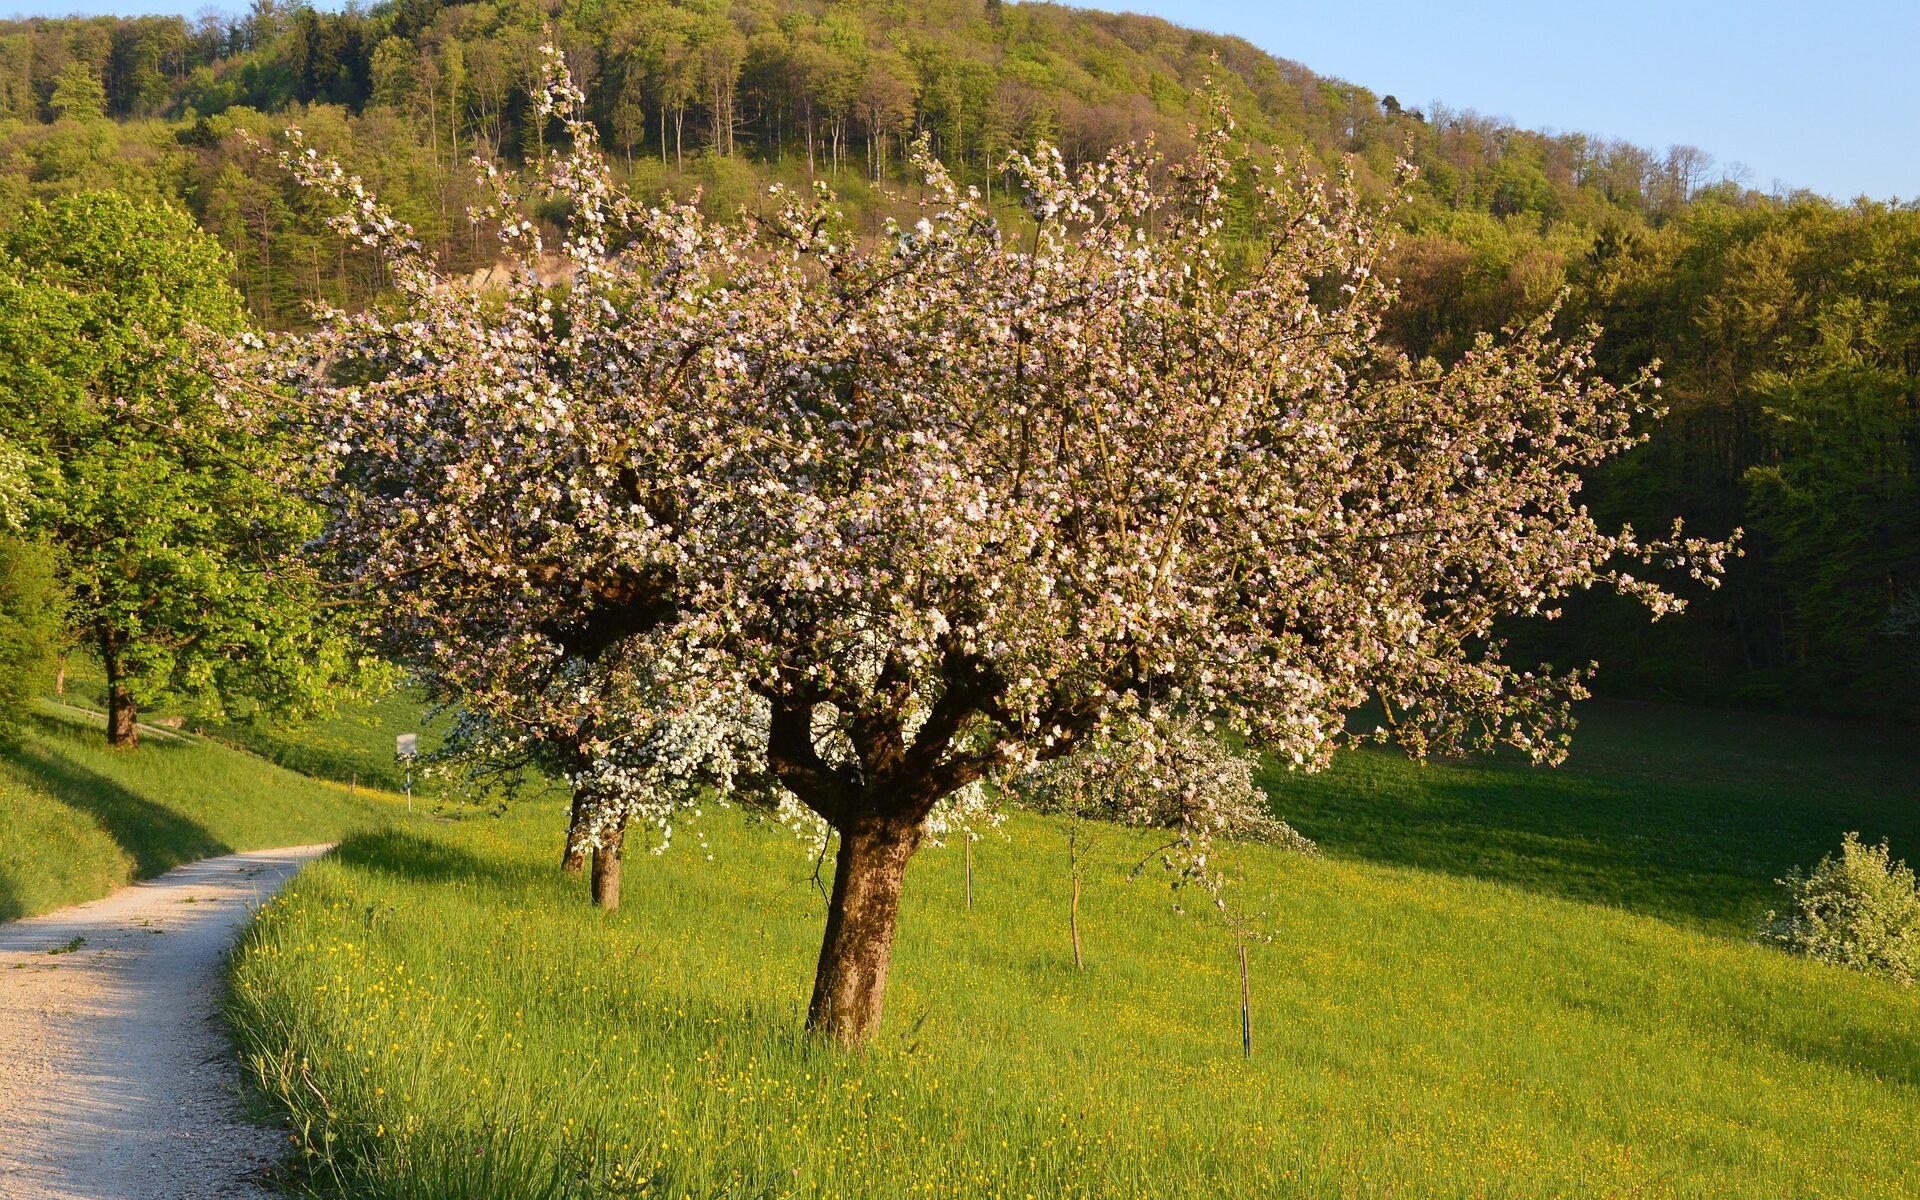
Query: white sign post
point(406, 747)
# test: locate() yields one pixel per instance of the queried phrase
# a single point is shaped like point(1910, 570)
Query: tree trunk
point(123, 715)
point(1246, 1004)
point(573, 856)
point(606, 869)
point(869, 873)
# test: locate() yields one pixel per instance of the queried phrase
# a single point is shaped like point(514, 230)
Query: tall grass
point(442, 1015)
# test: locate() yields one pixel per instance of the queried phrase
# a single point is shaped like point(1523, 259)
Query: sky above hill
point(1803, 94)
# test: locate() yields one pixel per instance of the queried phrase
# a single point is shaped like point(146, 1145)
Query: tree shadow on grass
point(156, 837)
point(1883, 1054)
point(400, 855)
point(1692, 850)
point(1872, 1043)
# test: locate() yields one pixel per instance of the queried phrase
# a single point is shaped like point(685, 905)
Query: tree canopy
point(173, 539)
point(928, 509)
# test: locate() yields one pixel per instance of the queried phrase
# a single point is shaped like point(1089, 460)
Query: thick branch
point(796, 763)
point(617, 609)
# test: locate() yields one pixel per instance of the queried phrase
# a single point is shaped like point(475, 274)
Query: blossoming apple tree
point(946, 502)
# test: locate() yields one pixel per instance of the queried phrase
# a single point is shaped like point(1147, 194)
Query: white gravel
point(117, 1081)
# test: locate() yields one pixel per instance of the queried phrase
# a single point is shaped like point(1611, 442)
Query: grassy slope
point(353, 745)
point(1423, 1029)
point(78, 820)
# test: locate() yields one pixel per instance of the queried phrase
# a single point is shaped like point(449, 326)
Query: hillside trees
point(1792, 341)
point(173, 537)
point(948, 504)
point(77, 94)
point(750, 78)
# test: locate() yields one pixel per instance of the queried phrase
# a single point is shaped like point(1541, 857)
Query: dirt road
point(117, 1081)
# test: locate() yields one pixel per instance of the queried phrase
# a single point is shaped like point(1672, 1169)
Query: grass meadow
point(1498, 983)
point(1682, 813)
point(78, 819)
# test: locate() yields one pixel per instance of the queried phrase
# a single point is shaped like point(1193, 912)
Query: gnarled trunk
point(606, 868)
point(869, 874)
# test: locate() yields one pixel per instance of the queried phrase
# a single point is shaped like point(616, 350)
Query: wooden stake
point(1073, 920)
point(1246, 1005)
point(969, 846)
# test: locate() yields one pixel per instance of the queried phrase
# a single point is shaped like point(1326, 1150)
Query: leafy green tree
point(77, 93)
point(393, 67)
point(174, 536)
point(32, 606)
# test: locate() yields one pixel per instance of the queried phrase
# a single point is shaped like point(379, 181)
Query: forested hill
point(703, 87)
point(1788, 327)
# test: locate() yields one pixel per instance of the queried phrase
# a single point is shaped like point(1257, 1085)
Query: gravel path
point(117, 1081)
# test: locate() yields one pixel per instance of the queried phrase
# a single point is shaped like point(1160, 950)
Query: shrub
point(1861, 910)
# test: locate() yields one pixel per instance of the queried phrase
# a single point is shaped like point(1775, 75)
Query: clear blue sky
point(1821, 94)
point(1807, 93)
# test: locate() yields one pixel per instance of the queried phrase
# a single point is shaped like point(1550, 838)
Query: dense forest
point(1787, 326)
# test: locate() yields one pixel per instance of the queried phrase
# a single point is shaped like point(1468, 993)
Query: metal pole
point(1246, 1006)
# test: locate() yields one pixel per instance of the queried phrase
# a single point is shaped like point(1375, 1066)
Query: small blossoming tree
point(631, 752)
point(1178, 777)
point(944, 503)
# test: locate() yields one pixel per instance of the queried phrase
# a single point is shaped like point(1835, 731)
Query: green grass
point(1686, 814)
point(78, 819)
point(352, 745)
point(443, 1016)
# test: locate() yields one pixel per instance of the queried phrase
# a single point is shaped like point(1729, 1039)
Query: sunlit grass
point(352, 744)
point(444, 1016)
